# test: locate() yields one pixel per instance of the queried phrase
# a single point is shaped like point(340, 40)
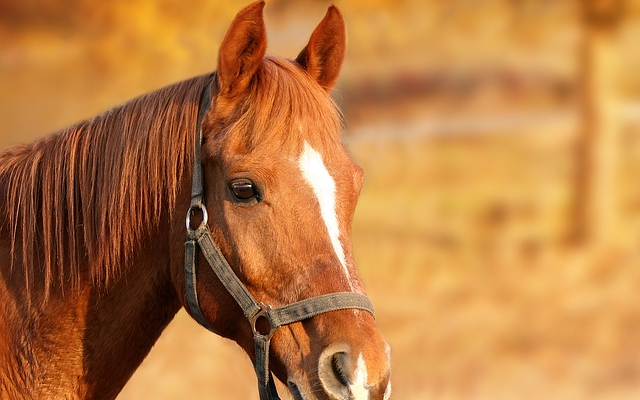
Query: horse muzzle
point(345, 375)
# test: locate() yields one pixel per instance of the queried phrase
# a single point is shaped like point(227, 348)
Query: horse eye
point(243, 189)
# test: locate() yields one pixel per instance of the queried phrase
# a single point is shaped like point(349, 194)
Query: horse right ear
point(322, 57)
point(242, 50)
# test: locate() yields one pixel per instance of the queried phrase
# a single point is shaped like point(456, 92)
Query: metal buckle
point(203, 210)
point(263, 313)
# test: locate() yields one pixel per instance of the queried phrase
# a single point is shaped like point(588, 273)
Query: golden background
point(473, 120)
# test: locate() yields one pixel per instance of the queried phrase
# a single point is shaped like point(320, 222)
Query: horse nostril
point(339, 366)
point(335, 371)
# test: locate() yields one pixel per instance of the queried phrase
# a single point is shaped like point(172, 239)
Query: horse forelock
point(283, 108)
point(86, 195)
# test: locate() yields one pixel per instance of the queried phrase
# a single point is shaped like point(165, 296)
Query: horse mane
point(85, 195)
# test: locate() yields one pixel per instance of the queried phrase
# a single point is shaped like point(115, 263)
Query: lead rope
point(253, 311)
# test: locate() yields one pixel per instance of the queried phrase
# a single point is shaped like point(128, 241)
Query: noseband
point(253, 310)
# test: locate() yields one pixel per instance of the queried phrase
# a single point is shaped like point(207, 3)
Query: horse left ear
point(242, 50)
point(323, 55)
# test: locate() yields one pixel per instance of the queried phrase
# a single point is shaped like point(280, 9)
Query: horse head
point(281, 191)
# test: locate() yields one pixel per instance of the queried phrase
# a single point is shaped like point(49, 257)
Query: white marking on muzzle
point(387, 392)
point(359, 388)
point(324, 187)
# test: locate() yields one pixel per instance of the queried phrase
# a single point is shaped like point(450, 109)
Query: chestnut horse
point(92, 250)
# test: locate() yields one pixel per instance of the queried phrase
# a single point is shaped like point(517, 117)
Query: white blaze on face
point(324, 187)
point(359, 388)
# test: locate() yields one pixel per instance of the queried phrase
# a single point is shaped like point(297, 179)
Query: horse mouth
point(295, 391)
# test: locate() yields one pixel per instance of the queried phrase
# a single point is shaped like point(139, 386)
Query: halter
point(253, 310)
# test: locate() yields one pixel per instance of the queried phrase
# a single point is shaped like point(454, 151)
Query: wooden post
point(597, 194)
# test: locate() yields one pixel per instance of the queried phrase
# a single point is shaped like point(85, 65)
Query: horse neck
point(84, 340)
point(123, 324)
point(85, 343)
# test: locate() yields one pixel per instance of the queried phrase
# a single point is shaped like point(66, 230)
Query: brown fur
point(92, 220)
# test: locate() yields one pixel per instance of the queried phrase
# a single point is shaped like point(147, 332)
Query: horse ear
point(323, 55)
point(242, 50)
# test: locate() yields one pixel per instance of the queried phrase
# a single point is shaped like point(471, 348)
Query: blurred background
point(498, 230)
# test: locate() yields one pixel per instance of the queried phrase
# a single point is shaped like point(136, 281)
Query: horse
point(93, 258)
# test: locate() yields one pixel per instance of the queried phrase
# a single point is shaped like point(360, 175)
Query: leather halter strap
point(200, 237)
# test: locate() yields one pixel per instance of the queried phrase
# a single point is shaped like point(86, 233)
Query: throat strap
point(200, 238)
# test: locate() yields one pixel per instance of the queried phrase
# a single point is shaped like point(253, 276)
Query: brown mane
point(86, 194)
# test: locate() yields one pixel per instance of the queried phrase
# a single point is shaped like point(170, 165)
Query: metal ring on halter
point(203, 210)
point(264, 312)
